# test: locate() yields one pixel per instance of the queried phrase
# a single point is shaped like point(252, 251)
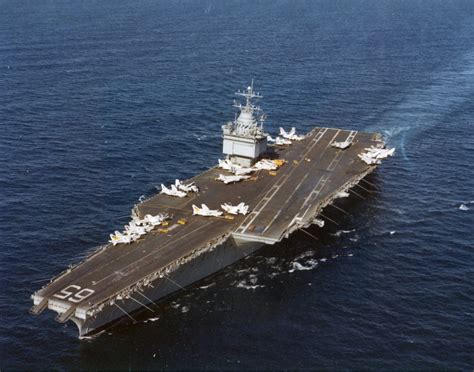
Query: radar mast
point(244, 138)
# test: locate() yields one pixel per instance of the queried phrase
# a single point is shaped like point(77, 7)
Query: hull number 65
point(74, 293)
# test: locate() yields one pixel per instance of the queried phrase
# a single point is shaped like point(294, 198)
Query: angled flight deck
point(276, 202)
point(313, 170)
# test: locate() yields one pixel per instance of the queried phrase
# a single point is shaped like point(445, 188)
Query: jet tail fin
point(196, 210)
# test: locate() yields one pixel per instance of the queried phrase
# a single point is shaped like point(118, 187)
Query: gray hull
point(199, 268)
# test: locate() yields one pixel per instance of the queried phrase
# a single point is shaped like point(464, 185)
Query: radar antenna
point(246, 131)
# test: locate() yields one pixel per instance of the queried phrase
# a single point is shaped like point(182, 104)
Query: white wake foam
point(309, 265)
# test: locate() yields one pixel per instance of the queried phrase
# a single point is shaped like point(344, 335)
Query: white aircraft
point(242, 171)
point(282, 141)
point(190, 187)
point(137, 228)
point(118, 238)
point(368, 159)
point(137, 221)
point(374, 154)
point(241, 208)
point(225, 164)
point(291, 135)
point(155, 220)
point(173, 191)
point(234, 168)
point(284, 133)
point(379, 153)
point(134, 230)
point(231, 179)
point(266, 164)
point(341, 145)
point(205, 211)
point(279, 140)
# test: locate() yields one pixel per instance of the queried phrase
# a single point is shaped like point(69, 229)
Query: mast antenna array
point(244, 138)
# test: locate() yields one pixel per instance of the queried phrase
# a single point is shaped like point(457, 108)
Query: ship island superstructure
point(244, 138)
point(183, 235)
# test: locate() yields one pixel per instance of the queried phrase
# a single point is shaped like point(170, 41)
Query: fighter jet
point(379, 153)
point(279, 140)
point(155, 220)
point(341, 145)
point(173, 191)
point(231, 179)
point(368, 159)
point(225, 164)
point(282, 141)
point(266, 164)
point(137, 221)
point(118, 238)
point(234, 168)
point(134, 230)
point(190, 187)
point(242, 171)
point(374, 154)
point(291, 135)
point(205, 211)
point(240, 208)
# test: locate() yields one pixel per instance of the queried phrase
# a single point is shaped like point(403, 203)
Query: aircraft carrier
point(313, 171)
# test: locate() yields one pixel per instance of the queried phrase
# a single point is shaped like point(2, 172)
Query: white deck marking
point(271, 221)
point(154, 252)
point(269, 195)
point(319, 186)
point(340, 153)
point(286, 202)
point(76, 295)
point(265, 201)
point(297, 187)
point(322, 182)
point(329, 143)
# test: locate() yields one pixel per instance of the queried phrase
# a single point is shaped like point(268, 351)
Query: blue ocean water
point(102, 100)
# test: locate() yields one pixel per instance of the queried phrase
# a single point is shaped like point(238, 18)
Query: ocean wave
point(308, 265)
point(340, 232)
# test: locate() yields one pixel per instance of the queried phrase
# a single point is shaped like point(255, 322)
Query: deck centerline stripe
point(285, 178)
